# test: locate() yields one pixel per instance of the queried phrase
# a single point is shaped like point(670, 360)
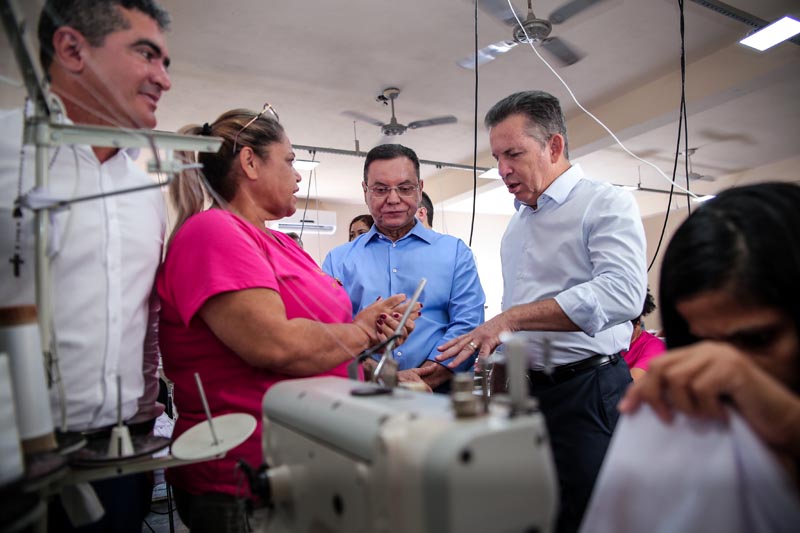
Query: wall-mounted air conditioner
point(322, 222)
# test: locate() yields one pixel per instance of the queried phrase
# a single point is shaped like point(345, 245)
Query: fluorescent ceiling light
point(775, 33)
point(491, 174)
point(628, 187)
point(304, 164)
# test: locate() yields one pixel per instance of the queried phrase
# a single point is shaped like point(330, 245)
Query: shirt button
point(394, 270)
point(399, 354)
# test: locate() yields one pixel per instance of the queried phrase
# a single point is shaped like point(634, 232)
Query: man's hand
point(483, 339)
point(415, 375)
point(433, 373)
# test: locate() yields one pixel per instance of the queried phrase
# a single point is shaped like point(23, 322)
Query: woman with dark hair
point(723, 435)
point(359, 226)
point(644, 345)
point(730, 307)
point(244, 306)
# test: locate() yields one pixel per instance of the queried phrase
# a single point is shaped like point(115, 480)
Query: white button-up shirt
point(583, 245)
point(103, 273)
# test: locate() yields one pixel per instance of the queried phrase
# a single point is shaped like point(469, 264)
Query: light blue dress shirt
point(583, 245)
point(453, 299)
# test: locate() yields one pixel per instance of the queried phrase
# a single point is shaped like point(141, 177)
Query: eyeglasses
point(267, 107)
point(382, 191)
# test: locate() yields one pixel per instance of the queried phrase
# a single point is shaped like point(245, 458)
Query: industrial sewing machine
point(345, 456)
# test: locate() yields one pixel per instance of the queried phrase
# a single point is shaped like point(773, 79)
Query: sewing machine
point(347, 456)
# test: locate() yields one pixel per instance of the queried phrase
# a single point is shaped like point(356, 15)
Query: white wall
point(486, 242)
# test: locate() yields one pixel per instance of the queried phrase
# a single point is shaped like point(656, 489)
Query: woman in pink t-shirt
point(644, 346)
point(246, 307)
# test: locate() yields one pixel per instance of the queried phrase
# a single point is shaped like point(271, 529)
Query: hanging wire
point(475, 135)
point(597, 120)
point(682, 121)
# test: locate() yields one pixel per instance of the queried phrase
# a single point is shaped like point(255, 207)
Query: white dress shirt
point(103, 273)
point(583, 245)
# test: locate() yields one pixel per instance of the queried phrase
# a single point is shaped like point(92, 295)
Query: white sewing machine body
point(401, 462)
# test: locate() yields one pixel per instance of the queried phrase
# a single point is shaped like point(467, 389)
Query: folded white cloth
point(690, 475)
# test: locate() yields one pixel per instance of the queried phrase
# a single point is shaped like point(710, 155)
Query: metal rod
point(390, 346)
point(205, 407)
point(352, 153)
point(58, 204)
point(119, 401)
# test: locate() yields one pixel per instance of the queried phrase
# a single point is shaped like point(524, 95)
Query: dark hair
point(542, 110)
point(390, 151)
point(93, 18)
point(745, 241)
point(428, 205)
point(648, 307)
point(366, 219)
point(188, 191)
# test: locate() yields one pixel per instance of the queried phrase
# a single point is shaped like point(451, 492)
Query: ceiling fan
point(538, 31)
point(393, 127)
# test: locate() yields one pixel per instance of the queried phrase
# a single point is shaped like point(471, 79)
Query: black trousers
point(212, 512)
point(126, 501)
point(581, 414)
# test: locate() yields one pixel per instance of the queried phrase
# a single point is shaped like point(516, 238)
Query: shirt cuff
point(582, 307)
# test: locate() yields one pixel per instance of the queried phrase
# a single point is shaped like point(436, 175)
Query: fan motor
point(393, 129)
point(537, 30)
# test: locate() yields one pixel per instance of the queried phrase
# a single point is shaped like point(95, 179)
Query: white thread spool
point(11, 464)
point(19, 338)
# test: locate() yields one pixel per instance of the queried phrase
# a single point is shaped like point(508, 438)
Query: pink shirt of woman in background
point(643, 348)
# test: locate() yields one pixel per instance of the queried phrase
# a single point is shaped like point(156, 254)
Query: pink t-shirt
point(215, 252)
point(644, 348)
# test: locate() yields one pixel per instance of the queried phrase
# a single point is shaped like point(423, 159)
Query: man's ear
point(69, 47)
point(556, 147)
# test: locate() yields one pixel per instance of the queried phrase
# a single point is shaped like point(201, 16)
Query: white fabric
point(690, 475)
point(583, 245)
point(103, 275)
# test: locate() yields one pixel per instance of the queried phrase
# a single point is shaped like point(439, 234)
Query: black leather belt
point(563, 373)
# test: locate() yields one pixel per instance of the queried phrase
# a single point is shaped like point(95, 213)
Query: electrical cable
point(308, 195)
point(475, 136)
point(682, 128)
point(597, 120)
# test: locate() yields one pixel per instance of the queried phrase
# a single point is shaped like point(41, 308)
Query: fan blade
point(499, 9)
point(561, 51)
point(363, 118)
point(571, 9)
point(436, 121)
point(486, 54)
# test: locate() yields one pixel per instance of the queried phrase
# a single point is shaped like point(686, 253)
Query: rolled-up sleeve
point(614, 237)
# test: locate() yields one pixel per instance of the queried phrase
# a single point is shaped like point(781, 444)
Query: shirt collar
point(419, 231)
point(559, 190)
point(131, 152)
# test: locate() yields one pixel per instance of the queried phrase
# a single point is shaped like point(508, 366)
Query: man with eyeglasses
point(106, 61)
point(396, 253)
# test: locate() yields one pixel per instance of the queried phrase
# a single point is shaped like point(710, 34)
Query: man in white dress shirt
point(107, 63)
point(574, 275)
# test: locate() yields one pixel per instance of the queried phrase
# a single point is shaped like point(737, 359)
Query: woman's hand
point(701, 379)
point(380, 320)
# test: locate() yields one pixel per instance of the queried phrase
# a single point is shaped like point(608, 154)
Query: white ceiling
point(313, 60)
